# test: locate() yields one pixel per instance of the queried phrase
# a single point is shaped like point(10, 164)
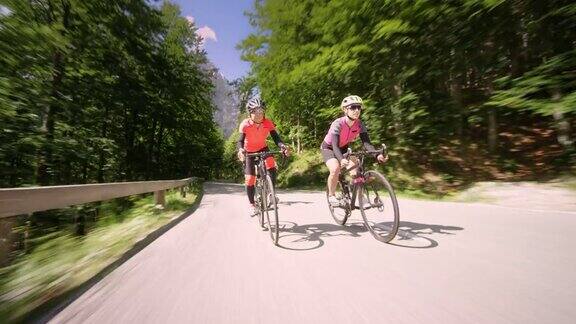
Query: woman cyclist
point(342, 132)
point(253, 133)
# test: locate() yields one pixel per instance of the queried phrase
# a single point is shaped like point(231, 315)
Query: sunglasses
point(355, 107)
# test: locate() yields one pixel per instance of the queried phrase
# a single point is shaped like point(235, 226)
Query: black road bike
point(265, 195)
point(370, 192)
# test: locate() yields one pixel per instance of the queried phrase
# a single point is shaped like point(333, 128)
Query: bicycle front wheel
point(379, 207)
point(272, 210)
point(342, 211)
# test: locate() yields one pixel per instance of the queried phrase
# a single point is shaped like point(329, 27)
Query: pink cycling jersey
point(346, 134)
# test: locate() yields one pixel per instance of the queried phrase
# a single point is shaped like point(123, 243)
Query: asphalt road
point(450, 263)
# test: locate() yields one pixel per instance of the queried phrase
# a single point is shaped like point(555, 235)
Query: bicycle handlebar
point(261, 154)
point(362, 153)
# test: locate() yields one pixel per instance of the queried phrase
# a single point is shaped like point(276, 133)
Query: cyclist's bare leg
point(334, 168)
point(270, 163)
point(250, 181)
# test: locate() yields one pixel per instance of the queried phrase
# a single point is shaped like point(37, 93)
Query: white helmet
point(255, 103)
point(351, 100)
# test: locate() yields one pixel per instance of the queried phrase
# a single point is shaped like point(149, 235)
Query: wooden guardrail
point(18, 201)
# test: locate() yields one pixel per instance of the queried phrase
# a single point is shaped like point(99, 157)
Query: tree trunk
point(562, 124)
point(48, 122)
point(517, 38)
point(80, 226)
point(398, 132)
point(298, 135)
point(492, 130)
point(102, 155)
point(456, 93)
point(157, 160)
point(131, 120)
point(13, 167)
point(45, 158)
point(101, 162)
point(6, 239)
point(85, 171)
point(299, 150)
point(492, 116)
point(150, 155)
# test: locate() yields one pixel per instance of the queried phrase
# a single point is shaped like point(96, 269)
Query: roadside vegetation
point(54, 264)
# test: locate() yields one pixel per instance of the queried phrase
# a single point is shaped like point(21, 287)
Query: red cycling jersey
point(256, 134)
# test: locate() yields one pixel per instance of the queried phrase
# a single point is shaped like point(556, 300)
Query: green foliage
point(95, 91)
point(547, 89)
point(232, 167)
point(428, 70)
point(305, 170)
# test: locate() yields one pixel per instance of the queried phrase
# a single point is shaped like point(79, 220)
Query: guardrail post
point(6, 239)
point(160, 198)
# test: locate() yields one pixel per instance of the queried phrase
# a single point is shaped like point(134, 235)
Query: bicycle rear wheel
point(341, 212)
point(271, 210)
point(379, 207)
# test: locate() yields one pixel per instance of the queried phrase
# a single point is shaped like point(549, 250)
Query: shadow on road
point(306, 237)
point(312, 236)
point(290, 203)
point(417, 236)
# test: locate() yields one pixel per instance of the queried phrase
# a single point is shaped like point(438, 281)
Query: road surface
point(451, 263)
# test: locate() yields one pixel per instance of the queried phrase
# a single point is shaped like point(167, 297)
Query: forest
point(464, 90)
point(102, 91)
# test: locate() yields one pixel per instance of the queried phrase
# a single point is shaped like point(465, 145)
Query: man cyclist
point(342, 132)
point(253, 133)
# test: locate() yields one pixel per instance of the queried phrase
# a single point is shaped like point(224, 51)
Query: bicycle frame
point(261, 170)
point(358, 180)
point(264, 188)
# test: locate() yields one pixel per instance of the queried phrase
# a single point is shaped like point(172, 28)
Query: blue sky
point(225, 18)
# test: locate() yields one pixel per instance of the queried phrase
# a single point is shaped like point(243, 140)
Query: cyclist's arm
point(366, 139)
point(276, 138)
point(335, 148)
point(240, 143)
point(335, 131)
point(366, 142)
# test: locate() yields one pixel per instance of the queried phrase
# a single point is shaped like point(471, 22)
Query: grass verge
point(65, 261)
